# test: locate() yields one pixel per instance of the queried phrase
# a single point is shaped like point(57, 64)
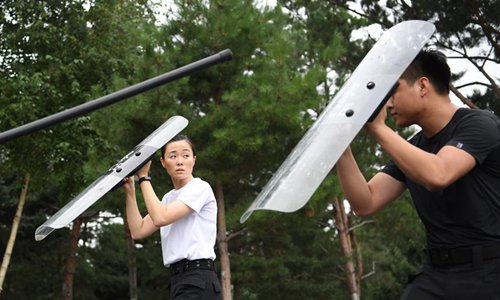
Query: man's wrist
point(377, 130)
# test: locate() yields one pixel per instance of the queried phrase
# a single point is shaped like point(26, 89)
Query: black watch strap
point(145, 178)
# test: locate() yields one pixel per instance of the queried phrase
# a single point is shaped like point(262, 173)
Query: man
point(452, 170)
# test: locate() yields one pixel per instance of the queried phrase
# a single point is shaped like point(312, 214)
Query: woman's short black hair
point(431, 64)
point(179, 137)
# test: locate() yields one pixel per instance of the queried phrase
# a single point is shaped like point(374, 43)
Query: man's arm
point(366, 198)
point(433, 171)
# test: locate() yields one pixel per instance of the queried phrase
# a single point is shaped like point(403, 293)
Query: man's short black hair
point(431, 64)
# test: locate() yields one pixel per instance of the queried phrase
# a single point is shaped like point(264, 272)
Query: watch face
point(145, 178)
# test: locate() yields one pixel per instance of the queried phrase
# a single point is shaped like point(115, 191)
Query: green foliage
point(245, 116)
point(488, 100)
point(109, 257)
point(54, 56)
point(393, 244)
point(286, 254)
point(35, 268)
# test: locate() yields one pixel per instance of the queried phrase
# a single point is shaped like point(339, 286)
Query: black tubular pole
point(109, 99)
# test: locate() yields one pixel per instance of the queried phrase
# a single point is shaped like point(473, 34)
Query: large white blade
point(127, 166)
point(317, 152)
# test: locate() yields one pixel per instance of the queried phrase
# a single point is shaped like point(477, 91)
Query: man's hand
point(378, 122)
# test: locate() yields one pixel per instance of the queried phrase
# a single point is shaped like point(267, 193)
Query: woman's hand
point(129, 185)
point(144, 171)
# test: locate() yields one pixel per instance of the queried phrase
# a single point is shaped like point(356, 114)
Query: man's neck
point(437, 116)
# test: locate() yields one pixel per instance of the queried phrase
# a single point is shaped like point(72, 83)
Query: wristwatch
point(144, 178)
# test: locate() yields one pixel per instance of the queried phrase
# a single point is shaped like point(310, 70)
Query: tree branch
point(359, 225)
point(361, 14)
point(489, 31)
point(473, 83)
point(465, 100)
point(462, 44)
point(369, 273)
point(484, 58)
point(493, 83)
point(235, 234)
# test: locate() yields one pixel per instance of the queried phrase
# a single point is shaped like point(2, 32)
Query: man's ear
point(424, 85)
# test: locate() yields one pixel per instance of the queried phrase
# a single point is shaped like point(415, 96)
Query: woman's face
point(179, 160)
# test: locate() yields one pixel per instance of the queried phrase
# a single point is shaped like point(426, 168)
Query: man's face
point(405, 104)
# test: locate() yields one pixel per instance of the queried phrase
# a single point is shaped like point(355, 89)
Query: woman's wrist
point(143, 178)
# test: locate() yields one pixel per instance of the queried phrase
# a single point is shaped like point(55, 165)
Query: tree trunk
point(13, 231)
point(222, 241)
point(70, 266)
point(341, 222)
point(132, 267)
point(236, 291)
point(359, 259)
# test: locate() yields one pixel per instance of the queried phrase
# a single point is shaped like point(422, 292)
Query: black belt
point(466, 255)
point(186, 265)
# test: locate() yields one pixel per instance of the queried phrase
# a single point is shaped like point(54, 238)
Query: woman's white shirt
point(192, 237)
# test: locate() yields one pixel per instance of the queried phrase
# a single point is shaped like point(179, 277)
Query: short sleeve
point(197, 195)
point(477, 134)
point(392, 170)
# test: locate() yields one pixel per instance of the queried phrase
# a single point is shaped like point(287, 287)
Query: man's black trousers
point(480, 280)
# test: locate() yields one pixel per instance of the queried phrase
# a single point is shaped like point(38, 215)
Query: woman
point(186, 217)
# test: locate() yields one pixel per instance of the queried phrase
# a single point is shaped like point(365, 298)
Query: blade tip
point(245, 216)
point(42, 232)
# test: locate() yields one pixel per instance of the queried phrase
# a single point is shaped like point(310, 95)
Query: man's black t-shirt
point(467, 212)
